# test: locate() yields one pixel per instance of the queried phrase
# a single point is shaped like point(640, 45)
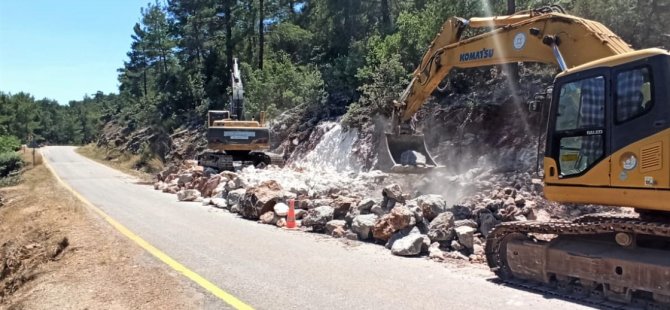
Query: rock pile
point(370, 207)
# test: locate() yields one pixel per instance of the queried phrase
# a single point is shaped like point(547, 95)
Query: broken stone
point(281, 209)
point(188, 195)
point(334, 224)
point(434, 252)
point(470, 223)
point(338, 232)
point(377, 210)
point(478, 250)
point(210, 185)
point(184, 178)
point(365, 205)
point(441, 227)
point(362, 225)
point(341, 205)
point(300, 213)
point(465, 236)
point(413, 158)
point(431, 205)
point(260, 199)
point(399, 218)
point(281, 222)
point(456, 245)
point(318, 217)
point(206, 201)
point(235, 196)
point(269, 218)
point(486, 223)
point(393, 192)
point(351, 235)
point(409, 245)
point(220, 203)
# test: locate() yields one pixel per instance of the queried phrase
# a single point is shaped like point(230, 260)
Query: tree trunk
point(386, 16)
point(261, 33)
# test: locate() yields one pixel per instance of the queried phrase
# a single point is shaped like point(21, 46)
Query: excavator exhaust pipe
point(405, 153)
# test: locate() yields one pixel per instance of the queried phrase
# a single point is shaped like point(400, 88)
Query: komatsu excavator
point(232, 141)
point(608, 142)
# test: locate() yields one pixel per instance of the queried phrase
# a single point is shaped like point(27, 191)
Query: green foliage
point(10, 163)
point(325, 56)
point(387, 82)
point(45, 121)
point(9, 144)
point(280, 86)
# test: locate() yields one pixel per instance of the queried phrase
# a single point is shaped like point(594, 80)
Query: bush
point(10, 162)
point(9, 144)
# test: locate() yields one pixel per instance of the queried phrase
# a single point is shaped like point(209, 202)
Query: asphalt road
point(271, 268)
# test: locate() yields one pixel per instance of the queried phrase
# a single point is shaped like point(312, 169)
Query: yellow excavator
point(232, 141)
point(608, 142)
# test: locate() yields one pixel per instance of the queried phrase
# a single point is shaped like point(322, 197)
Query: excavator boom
point(539, 36)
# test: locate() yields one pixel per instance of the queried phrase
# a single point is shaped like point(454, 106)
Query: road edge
point(160, 255)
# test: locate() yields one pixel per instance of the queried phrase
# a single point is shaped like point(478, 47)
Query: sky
point(64, 49)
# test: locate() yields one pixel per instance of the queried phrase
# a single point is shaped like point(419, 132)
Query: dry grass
point(128, 163)
point(55, 253)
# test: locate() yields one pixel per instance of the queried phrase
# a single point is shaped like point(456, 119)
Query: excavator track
point(535, 271)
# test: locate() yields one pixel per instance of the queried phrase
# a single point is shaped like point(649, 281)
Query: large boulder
point(235, 196)
point(408, 245)
point(260, 199)
point(342, 205)
point(184, 178)
point(486, 223)
point(210, 185)
point(362, 225)
point(188, 195)
point(393, 192)
point(400, 217)
point(365, 205)
point(441, 227)
point(335, 228)
point(318, 217)
point(431, 205)
point(466, 236)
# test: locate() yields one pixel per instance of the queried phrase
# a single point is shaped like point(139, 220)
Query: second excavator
point(608, 142)
point(232, 141)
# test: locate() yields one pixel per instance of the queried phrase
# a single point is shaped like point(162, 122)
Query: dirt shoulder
point(55, 253)
point(135, 165)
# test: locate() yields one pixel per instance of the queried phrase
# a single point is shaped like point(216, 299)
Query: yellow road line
point(198, 279)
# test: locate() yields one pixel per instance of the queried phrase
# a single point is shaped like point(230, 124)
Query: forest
point(319, 56)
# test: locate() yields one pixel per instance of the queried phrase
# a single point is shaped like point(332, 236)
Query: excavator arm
point(553, 38)
point(543, 36)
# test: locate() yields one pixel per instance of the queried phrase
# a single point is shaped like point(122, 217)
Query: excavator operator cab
point(214, 117)
point(609, 126)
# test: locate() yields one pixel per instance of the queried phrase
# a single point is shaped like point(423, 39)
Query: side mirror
point(539, 100)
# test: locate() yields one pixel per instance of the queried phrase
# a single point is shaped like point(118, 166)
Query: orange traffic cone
point(290, 217)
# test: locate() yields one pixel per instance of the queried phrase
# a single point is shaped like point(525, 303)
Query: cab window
point(580, 124)
point(633, 94)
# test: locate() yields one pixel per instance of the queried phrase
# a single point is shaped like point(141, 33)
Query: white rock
point(220, 202)
point(465, 236)
point(281, 209)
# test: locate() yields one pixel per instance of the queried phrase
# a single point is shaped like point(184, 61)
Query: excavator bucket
point(405, 154)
